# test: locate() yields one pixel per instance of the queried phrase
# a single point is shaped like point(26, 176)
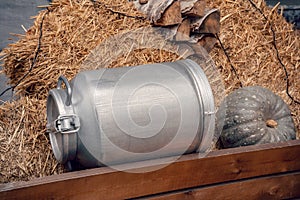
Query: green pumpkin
point(254, 115)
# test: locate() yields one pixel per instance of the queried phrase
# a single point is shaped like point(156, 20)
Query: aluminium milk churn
point(112, 116)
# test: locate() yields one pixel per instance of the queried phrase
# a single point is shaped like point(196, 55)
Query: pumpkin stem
point(271, 123)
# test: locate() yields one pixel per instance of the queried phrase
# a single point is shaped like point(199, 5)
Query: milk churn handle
point(68, 87)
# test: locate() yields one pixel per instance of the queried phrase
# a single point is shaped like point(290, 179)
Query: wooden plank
point(208, 42)
point(153, 8)
point(189, 171)
point(183, 31)
point(284, 186)
point(209, 23)
point(194, 8)
point(171, 16)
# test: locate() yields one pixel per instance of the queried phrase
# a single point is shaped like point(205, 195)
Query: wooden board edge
point(282, 186)
point(234, 160)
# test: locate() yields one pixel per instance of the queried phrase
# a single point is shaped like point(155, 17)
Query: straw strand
point(277, 52)
point(34, 59)
point(229, 60)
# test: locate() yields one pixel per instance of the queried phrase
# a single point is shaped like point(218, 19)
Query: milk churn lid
point(62, 123)
point(208, 105)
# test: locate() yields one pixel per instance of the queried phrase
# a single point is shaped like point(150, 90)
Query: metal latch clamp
point(65, 124)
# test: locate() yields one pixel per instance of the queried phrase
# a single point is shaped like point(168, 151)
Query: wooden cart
point(270, 171)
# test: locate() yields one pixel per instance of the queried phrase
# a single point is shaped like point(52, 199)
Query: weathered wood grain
point(209, 23)
point(286, 186)
point(194, 8)
point(171, 16)
point(183, 31)
point(187, 172)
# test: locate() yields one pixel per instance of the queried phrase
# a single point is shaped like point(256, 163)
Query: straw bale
point(24, 147)
point(72, 29)
point(248, 39)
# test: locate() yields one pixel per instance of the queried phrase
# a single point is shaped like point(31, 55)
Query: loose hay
point(25, 151)
point(247, 38)
point(72, 28)
point(70, 31)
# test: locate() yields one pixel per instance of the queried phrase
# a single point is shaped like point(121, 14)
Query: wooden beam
point(183, 31)
point(286, 186)
point(207, 42)
point(209, 23)
point(187, 172)
point(171, 16)
point(194, 8)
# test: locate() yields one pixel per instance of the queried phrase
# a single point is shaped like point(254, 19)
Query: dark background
point(13, 14)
